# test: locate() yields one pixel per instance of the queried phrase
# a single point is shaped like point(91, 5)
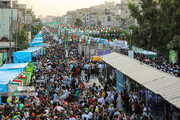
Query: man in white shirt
point(90, 114)
point(84, 116)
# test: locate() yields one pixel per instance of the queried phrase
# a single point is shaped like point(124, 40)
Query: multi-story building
point(106, 15)
point(8, 3)
point(72, 16)
point(21, 15)
point(8, 23)
point(66, 19)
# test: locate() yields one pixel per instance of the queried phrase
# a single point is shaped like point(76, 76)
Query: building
point(51, 19)
point(21, 15)
point(8, 3)
point(109, 15)
point(105, 21)
point(72, 16)
point(66, 19)
point(8, 22)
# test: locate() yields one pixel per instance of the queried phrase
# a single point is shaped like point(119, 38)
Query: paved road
point(93, 79)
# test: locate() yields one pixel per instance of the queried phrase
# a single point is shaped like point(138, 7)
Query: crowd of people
point(63, 94)
point(162, 63)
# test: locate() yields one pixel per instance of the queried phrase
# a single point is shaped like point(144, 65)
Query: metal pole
point(10, 21)
point(16, 35)
point(89, 51)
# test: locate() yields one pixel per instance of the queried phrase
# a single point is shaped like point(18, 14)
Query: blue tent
point(33, 44)
point(13, 66)
point(26, 55)
point(6, 76)
point(37, 48)
point(38, 39)
point(39, 34)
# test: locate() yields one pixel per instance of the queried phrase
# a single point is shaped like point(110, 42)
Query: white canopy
point(155, 80)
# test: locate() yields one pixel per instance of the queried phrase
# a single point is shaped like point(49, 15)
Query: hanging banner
point(122, 44)
point(103, 52)
point(131, 54)
point(119, 82)
point(173, 56)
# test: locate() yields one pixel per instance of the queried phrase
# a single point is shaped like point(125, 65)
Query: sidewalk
point(92, 80)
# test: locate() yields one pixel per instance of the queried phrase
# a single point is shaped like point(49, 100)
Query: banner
point(119, 82)
point(121, 44)
point(172, 56)
point(131, 53)
point(103, 52)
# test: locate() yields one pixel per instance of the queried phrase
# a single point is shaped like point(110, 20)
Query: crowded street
point(89, 60)
point(70, 91)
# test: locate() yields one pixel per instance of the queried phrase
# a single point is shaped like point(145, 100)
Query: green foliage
point(175, 43)
point(158, 23)
point(35, 30)
point(78, 22)
point(22, 39)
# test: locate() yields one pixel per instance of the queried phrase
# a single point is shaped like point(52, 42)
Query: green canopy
point(24, 81)
point(12, 83)
point(30, 68)
point(28, 76)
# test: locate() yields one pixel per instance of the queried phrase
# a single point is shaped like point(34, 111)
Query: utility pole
point(16, 34)
point(10, 38)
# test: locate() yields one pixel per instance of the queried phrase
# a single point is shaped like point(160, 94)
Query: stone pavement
point(92, 80)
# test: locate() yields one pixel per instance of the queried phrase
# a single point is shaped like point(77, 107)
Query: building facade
point(109, 15)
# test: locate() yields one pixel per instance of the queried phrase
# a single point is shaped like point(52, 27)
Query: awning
point(155, 80)
point(14, 66)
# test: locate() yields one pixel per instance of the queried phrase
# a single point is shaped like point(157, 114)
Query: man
point(90, 114)
point(89, 73)
point(84, 116)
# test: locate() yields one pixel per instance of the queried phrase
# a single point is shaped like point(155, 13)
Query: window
point(126, 11)
point(83, 14)
point(109, 18)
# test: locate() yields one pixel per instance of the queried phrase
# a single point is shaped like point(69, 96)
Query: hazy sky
point(58, 7)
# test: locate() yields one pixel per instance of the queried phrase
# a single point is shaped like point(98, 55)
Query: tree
point(158, 24)
point(22, 39)
point(35, 30)
point(78, 22)
point(175, 45)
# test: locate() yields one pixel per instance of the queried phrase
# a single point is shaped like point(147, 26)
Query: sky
point(58, 7)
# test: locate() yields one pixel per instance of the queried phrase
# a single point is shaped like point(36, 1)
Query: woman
point(120, 103)
point(83, 74)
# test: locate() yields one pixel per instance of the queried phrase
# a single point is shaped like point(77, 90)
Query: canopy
point(145, 52)
point(38, 49)
point(38, 39)
point(33, 44)
point(30, 68)
point(14, 66)
point(26, 55)
point(39, 34)
point(155, 80)
point(9, 75)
